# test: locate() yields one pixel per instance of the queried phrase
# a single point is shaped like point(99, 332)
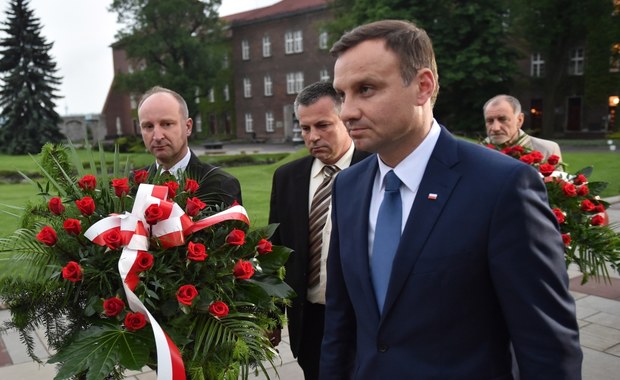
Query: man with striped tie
point(300, 203)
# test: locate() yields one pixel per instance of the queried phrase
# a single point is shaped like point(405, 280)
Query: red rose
point(47, 236)
point(536, 156)
point(194, 205)
point(191, 186)
point(196, 251)
point(112, 238)
point(580, 179)
point(55, 206)
point(546, 169)
point(134, 321)
point(236, 237)
point(569, 190)
point(72, 226)
point(186, 294)
point(172, 188)
point(559, 215)
point(113, 306)
point(587, 205)
point(72, 272)
point(491, 146)
point(597, 220)
point(153, 214)
point(527, 158)
point(86, 205)
point(583, 190)
point(144, 261)
point(243, 270)
point(264, 246)
point(553, 160)
point(218, 309)
point(600, 207)
point(121, 186)
point(566, 239)
point(88, 182)
point(140, 176)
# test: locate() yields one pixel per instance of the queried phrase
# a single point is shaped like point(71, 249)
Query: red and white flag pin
point(432, 196)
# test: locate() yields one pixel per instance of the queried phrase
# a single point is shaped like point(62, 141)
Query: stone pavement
point(598, 313)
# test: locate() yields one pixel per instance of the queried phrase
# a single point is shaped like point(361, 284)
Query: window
point(294, 82)
point(211, 95)
point(225, 62)
point(245, 50)
point(293, 42)
point(299, 81)
point(575, 66)
point(298, 42)
point(249, 127)
point(268, 86)
point(269, 121)
point(614, 60)
point(134, 103)
point(323, 40)
point(247, 88)
point(324, 75)
point(226, 93)
point(537, 68)
point(266, 46)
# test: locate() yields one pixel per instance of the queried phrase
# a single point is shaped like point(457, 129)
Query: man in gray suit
point(503, 119)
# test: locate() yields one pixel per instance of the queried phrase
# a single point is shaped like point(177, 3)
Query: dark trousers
point(311, 339)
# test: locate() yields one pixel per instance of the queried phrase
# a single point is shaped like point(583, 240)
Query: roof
point(282, 7)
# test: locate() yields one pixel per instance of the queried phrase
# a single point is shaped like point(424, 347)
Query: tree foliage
point(471, 44)
point(28, 119)
point(172, 43)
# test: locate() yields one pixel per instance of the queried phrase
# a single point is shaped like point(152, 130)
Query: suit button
point(382, 348)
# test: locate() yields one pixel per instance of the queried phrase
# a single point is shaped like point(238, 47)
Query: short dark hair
point(410, 43)
point(157, 89)
point(312, 93)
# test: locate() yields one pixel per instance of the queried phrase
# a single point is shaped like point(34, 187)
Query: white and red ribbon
point(135, 233)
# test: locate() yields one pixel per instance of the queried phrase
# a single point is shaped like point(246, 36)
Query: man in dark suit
point(294, 188)
point(477, 262)
point(165, 125)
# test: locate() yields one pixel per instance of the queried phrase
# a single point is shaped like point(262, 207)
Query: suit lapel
point(439, 179)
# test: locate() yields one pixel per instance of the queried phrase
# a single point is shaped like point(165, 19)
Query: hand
point(275, 336)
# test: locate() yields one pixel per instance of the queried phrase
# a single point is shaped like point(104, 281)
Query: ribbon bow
point(171, 231)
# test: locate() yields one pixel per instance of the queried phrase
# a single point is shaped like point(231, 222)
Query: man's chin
point(498, 140)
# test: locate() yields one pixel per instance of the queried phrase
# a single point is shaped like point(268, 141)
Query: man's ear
point(426, 85)
point(520, 119)
point(189, 124)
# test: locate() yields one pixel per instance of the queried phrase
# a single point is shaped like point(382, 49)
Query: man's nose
point(158, 133)
point(349, 111)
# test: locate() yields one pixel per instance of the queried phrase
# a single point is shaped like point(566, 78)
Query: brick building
point(276, 51)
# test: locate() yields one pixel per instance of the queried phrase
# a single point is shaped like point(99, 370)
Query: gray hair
point(312, 93)
point(514, 102)
point(158, 89)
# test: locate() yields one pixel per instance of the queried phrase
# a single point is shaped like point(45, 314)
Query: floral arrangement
point(589, 242)
point(126, 271)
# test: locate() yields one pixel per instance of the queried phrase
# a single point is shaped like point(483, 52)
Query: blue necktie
point(387, 237)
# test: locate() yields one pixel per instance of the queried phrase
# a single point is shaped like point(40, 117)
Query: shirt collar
point(408, 170)
point(179, 166)
point(342, 163)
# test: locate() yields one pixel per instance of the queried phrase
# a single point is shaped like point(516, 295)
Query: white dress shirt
point(316, 294)
point(179, 166)
point(410, 171)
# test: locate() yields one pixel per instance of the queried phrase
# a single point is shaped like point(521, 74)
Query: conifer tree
point(29, 82)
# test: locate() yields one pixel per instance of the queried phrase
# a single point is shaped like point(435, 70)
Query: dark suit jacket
point(477, 268)
point(216, 186)
point(289, 207)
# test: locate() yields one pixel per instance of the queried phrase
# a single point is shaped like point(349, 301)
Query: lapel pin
point(432, 196)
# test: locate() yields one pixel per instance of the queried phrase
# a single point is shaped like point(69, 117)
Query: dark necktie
point(387, 237)
point(318, 216)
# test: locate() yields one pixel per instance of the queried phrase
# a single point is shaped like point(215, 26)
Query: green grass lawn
point(256, 183)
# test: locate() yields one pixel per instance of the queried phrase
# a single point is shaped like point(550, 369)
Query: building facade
point(276, 52)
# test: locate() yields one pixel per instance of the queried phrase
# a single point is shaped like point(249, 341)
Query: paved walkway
point(598, 313)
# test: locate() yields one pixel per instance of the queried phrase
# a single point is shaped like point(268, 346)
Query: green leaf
point(99, 349)
point(272, 261)
point(273, 286)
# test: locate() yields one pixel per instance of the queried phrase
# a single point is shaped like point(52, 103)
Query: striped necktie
point(318, 216)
